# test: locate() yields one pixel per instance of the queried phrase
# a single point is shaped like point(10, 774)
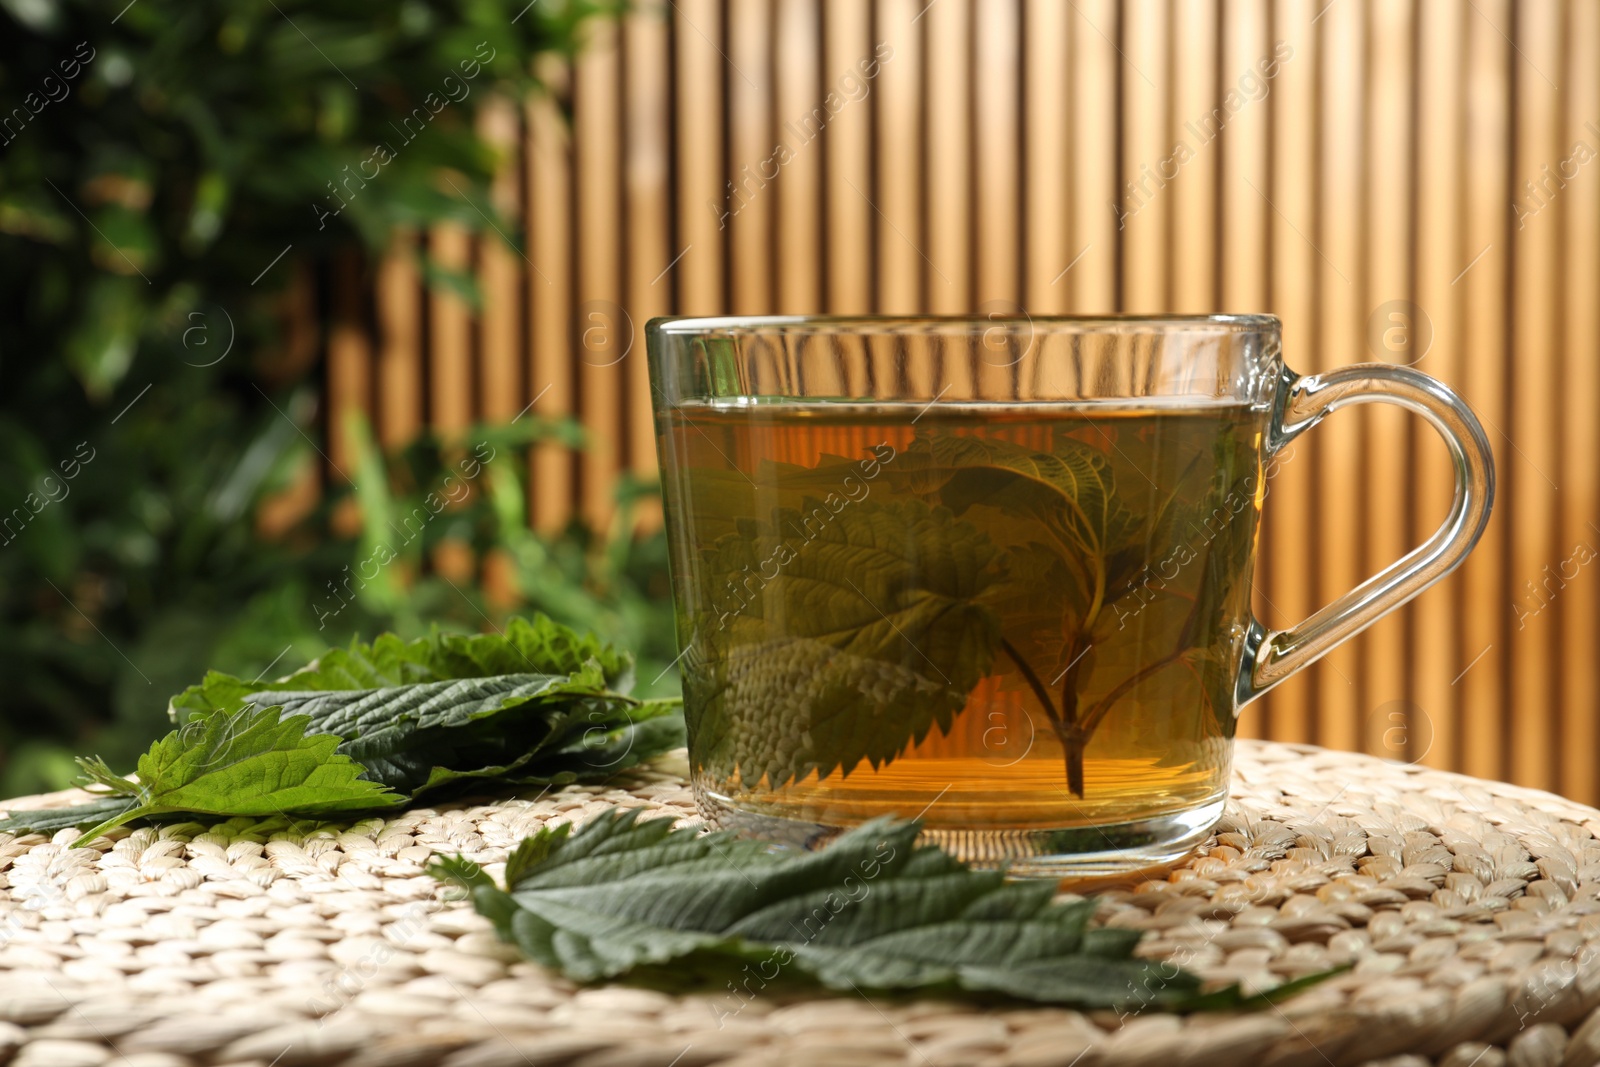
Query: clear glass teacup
point(995, 574)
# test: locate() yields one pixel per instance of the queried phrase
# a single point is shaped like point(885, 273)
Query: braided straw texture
point(1470, 910)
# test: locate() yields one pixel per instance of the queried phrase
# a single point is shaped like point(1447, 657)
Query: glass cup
point(995, 573)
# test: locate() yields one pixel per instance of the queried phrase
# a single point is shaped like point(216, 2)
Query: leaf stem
point(1063, 720)
point(1040, 690)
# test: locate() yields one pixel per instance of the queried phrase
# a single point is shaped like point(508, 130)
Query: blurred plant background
point(167, 192)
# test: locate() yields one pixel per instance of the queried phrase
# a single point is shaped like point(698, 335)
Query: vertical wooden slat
point(1246, 196)
point(703, 203)
point(1149, 166)
point(399, 342)
point(550, 376)
point(450, 334)
point(1289, 533)
point(996, 59)
point(1245, 191)
point(647, 167)
point(897, 199)
point(1482, 280)
point(1579, 616)
point(848, 144)
point(1344, 497)
point(797, 32)
point(752, 163)
point(1535, 385)
point(1193, 191)
point(499, 278)
point(949, 162)
point(1097, 197)
point(597, 105)
point(1046, 103)
point(1387, 281)
point(1435, 658)
point(349, 373)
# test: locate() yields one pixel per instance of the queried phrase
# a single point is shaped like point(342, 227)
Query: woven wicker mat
point(1471, 911)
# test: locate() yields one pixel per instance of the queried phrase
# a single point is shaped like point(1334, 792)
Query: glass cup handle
point(1270, 656)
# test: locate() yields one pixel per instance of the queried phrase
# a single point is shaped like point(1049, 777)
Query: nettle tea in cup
point(995, 576)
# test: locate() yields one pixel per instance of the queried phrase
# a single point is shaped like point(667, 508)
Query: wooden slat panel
point(1386, 436)
point(1535, 384)
point(949, 161)
point(349, 364)
point(1343, 498)
point(998, 138)
point(1246, 192)
point(1579, 624)
point(752, 164)
point(1096, 192)
point(847, 138)
point(1148, 165)
point(1481, 680)
point(798, 32)
point(648, 163)
point(450, 334)
point(1245, 189)
point(702, 189)
point(500, 279)
point(996, 130)
point(1047, 106)
point(1289, 542)
point(1436, 647)
point(897, 197)
point(597, 107)
point(550, 374)
point(1193, 191)
point(399, 343)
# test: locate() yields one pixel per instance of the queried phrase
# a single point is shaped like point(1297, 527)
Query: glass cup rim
point(695, 325)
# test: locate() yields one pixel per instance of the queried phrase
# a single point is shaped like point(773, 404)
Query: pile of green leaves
point(871, 911)
point(378, 726)
point(169, 261)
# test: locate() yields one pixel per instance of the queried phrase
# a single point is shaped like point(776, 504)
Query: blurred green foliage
point(166, 167)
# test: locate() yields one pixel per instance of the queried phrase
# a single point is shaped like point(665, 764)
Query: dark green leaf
point(872, 911)
point(872, 633)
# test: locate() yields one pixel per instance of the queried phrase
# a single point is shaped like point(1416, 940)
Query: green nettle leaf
point(537, 645)
point(871, 911)
point(1082, 510)
point(251, 763)
point(871, 632)
point(1104, 563)
point(535, 705)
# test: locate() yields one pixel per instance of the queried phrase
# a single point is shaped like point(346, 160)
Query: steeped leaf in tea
point(1029, 611)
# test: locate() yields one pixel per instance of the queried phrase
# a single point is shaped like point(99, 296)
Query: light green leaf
point(252, 763)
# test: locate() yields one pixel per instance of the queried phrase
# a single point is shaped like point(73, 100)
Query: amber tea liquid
point(994, 616)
